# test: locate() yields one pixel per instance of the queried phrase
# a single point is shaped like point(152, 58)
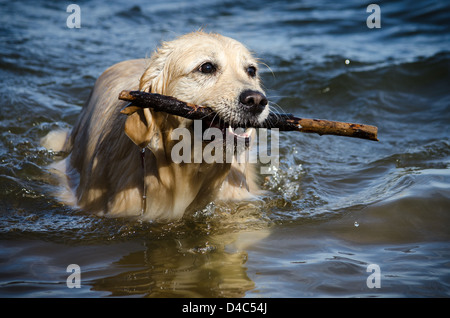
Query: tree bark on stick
point(284, 122)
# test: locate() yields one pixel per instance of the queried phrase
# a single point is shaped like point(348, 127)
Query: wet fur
point(103, 172)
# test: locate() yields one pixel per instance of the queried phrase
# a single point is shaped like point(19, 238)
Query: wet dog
point(121, 165)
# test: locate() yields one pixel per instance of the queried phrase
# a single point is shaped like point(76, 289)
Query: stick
point(284, 122)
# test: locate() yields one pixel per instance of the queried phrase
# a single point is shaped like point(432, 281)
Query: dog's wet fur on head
point(209, 70)
point(104, 173)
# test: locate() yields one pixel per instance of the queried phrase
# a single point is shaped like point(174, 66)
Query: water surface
point(335, 204)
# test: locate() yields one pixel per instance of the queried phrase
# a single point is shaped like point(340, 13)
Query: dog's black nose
point(254, 101)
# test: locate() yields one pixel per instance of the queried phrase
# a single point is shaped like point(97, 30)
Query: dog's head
point(209, 70)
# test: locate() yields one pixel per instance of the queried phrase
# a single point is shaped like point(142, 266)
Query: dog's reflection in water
point(196, 259)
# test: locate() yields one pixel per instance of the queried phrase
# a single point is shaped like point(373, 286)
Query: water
point(336, 204)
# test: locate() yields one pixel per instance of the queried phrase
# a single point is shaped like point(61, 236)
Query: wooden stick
point(284, 122)
point(288, 122)
point(163, 103)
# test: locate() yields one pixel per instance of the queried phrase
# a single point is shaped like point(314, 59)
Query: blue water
point(336, 204)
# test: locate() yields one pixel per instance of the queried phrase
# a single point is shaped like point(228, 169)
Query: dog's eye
point(251, 71)
point(207, 68)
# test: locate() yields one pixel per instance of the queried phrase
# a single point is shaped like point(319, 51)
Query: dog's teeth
point(232, 132)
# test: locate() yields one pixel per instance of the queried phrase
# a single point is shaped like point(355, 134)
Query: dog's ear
point(156, 76)
point(138, 127)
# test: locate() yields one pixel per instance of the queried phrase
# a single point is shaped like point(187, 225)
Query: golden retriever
point(121, 165)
